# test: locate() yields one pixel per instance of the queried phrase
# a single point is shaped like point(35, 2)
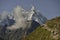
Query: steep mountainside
point(49, 31)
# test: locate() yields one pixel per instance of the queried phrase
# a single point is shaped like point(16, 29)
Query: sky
point(48, 8)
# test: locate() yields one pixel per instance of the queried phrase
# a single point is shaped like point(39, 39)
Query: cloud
point(19, 17)
point(4, 15)
point(18, 14)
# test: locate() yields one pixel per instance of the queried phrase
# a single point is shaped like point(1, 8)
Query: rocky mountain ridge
point(21, 22)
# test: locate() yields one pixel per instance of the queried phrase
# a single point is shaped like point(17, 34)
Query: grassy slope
point(54, 23)
point(39, 34)
point(43, 34)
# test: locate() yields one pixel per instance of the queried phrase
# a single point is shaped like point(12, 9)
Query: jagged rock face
point(38, 17)
point(22, 21)
point(34, 25)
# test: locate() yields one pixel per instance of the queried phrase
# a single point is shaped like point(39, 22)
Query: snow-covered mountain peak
point(21, 17)
point(20, 22)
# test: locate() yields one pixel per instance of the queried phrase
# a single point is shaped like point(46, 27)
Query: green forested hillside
point(49, 31)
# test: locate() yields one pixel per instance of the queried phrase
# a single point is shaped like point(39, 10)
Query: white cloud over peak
point(20, 16)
